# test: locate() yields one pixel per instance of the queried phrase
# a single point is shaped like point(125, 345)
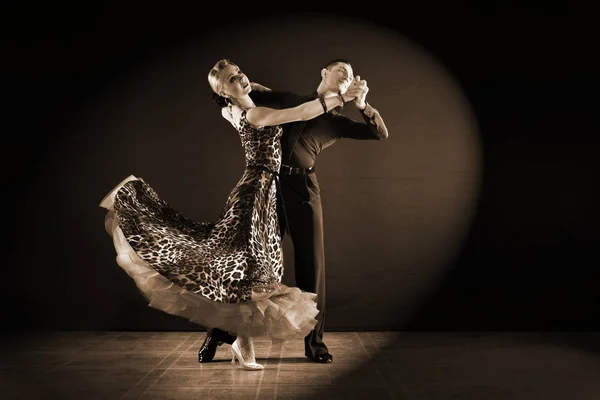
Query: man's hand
point(359, 89)
point(258, 87)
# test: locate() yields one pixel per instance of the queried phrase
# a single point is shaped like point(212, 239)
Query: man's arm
point(372, 129)
point(267, 99)
point(374, 120)
point(276, 99)
point(258, 87)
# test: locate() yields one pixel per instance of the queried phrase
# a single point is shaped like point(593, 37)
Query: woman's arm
point(263, 116)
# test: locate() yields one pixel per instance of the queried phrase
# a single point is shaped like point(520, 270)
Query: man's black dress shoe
point(214, 338)
point(324, 358)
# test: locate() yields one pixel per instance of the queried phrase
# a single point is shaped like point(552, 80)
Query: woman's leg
point(246, 346)
point(243, 350)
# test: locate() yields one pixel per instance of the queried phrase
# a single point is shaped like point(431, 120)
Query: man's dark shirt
point(302, 141)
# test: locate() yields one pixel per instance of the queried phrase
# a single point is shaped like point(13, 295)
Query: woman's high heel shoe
point(237, 353)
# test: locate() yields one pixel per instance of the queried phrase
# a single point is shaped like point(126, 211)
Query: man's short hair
point(336, 61)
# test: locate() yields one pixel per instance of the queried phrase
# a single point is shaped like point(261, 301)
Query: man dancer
point(301, 142)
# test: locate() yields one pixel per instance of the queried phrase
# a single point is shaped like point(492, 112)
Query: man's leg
point(214, 337)
point(306, 226)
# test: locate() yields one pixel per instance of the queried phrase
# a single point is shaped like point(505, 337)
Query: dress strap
point(243, 116)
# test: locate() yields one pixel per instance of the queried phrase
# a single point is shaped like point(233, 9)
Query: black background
point(526, 70)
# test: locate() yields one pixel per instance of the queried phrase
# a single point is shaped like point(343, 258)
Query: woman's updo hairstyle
point(215, 83)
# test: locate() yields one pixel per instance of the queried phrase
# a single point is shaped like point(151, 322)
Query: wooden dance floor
point(367, 365)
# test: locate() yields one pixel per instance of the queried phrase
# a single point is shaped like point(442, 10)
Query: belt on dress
point(287, 170)
point(274, 176)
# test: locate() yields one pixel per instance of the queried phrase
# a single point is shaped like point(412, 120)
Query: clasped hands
point(357, 91)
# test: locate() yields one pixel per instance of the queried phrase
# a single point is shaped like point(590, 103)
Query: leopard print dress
point(209, 272)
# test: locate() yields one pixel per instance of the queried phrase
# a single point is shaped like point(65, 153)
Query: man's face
point(338, 77)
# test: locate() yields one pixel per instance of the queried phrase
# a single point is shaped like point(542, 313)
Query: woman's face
point(234, 83)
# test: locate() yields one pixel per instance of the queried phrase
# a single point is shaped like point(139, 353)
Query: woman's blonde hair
point(216, 84)
point(213, 75)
